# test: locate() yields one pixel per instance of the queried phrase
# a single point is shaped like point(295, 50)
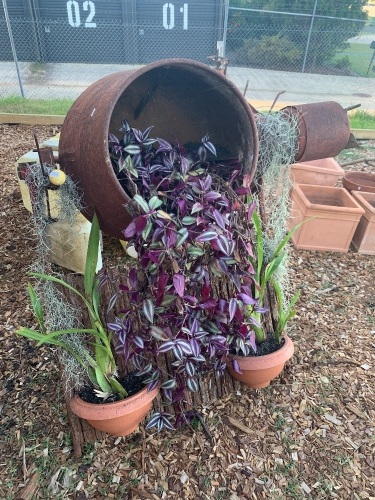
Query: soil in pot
point(267, 347)
point(130, 382)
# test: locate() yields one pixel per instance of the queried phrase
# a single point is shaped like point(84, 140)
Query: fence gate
point(180, 28)
point(87, 31)
point(111, 31)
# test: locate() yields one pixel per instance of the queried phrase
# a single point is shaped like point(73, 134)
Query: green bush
point(274, 52)
point(342, 63)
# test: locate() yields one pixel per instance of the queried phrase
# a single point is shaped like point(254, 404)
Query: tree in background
point(278, 40)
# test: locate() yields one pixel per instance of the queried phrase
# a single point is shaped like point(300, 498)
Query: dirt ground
point(310, 434)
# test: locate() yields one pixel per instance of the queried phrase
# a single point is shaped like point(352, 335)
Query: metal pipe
point(7, 20)
point(225, 29)
point(309, 36)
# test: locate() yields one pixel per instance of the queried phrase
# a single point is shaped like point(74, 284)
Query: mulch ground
point(310, 434)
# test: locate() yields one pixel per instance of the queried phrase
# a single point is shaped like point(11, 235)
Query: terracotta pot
point(359, 181)
point(118, 419)
point(364, 237)
point(333, 213)
point(324, 172)
point(258, 371)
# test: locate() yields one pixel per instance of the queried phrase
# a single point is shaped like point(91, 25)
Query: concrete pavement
point(50, 81)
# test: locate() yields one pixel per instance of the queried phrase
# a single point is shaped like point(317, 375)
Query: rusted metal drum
point(324, 129)
point(182, 99)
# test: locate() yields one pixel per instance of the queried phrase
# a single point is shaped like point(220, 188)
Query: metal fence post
point(225, 28)
point(7, 20)
point(309, 36)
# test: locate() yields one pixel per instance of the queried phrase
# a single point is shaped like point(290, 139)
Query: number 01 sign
point(169, 16)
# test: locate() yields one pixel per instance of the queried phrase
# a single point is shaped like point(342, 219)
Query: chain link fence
point(300, 42)
point(268, 51)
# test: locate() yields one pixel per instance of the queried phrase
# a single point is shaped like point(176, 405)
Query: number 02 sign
point(74, 15)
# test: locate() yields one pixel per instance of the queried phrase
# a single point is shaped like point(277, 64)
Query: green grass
point(35, 106)
point(362, 119)
point(358, 119)
point(359, 55)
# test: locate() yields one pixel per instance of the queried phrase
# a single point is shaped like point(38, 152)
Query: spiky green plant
point(99, 364)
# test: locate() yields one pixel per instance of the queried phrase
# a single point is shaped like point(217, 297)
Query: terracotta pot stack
point(336, 217)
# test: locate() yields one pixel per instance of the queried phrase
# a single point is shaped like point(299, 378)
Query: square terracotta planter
point(336, 216)
point(364, 237)
point(324, 172)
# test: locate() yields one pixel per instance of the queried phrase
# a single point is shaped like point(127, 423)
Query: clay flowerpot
point(359, 181)
point(324, 172)
point(331, 216)
point(118, 419)
point(364, 237)
point(258, 371)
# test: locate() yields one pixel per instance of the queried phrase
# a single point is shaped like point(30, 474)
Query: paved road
point(305, 87)
point(69, 80)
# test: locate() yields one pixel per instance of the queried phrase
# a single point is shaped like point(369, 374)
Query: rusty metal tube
point(324, 129)
point(182, 99)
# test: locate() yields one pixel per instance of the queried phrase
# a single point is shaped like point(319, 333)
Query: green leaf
point(46, 338)
point(147, 230)
point(295, 298)
point(196, 251)
point(148, 309)
point(168, 299)
point(132, 149)
point(258, 230)
point(155, 203)
point(128, 164)
point(188, 220)
point(283, 315)
point(102, 380)
point(41, 339)
point(158, 333)
point(272, 267)
point(92, 257)
point(48, 277)
point(288, 236)
point(182, 235)
point(36, 305)
point(142, 203)
point(118, 388)
point(92, 376)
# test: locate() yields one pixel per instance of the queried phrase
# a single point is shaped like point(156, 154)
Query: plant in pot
point(262, 358)
point(192, 296)
point(108, 403)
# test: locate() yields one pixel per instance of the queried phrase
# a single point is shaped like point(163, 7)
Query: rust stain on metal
point(324, 129)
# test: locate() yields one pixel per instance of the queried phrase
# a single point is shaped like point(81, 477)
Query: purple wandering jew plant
point(192, 295)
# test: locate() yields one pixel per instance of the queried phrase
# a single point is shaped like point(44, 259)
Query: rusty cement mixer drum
point(182, 99)
point(324, 129)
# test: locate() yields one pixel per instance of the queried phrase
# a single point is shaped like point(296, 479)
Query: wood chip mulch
point(310, 434)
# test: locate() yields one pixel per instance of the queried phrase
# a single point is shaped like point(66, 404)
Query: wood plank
point(362, 133)
point(16, 118)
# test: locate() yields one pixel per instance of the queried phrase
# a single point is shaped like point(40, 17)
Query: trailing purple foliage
point(191, 294)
